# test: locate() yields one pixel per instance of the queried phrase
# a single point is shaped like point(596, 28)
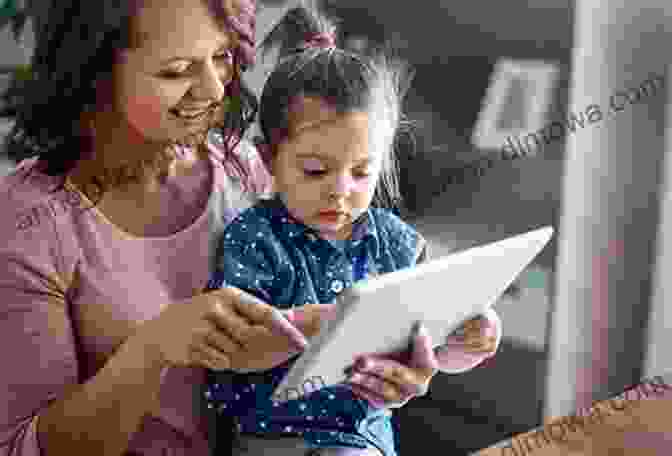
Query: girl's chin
point(330, 232)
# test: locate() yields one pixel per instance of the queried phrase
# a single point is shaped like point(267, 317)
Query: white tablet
point(378, 315)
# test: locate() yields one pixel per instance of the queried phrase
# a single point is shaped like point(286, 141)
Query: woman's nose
point(210, 85)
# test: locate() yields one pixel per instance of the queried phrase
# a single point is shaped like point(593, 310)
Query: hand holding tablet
point(378, 315)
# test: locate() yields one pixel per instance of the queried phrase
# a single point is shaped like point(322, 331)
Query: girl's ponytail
point(302, 27)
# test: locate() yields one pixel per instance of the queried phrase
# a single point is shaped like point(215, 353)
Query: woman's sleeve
point(37, 351)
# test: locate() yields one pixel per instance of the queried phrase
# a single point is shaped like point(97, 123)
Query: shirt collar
point(364, 229)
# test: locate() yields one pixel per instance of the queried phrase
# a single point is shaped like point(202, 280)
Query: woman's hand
point(389, 381)
point(223, 329)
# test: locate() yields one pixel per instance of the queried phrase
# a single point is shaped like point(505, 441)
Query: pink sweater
point(72, 285)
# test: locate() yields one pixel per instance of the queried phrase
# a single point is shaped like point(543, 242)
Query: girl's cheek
point(362, 184)
point(294, 212)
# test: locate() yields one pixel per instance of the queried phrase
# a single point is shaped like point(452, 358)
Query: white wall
point(659, 340)
point(609, 214)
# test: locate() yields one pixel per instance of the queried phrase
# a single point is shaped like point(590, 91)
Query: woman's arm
point(43, 408)
point(100, 416)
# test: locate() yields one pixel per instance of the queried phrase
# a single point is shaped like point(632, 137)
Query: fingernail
point(330, 312)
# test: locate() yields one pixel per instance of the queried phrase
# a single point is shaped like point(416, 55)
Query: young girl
point(330, 120)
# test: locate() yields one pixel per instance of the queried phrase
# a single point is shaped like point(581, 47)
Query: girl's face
point(327, 168)
point(184, 60)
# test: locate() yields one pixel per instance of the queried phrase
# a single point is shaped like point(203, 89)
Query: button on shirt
point(284, 262)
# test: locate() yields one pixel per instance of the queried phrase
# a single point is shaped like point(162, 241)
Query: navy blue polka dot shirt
point(267, 253)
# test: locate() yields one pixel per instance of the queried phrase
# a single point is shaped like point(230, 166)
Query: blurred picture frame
point(516, 103)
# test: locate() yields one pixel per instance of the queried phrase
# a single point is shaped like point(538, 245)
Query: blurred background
point(587, 318)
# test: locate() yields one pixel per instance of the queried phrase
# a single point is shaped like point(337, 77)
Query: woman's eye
point(361, 174)
point(226, 56)
point(174, 73)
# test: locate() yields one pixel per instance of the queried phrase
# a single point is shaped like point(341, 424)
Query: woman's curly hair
point(76, 48)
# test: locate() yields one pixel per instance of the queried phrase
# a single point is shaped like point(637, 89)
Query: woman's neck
point(125, 175)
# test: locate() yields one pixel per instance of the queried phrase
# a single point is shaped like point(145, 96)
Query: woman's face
point(164, 87)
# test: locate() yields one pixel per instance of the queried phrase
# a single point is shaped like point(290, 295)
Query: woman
point(107, 234)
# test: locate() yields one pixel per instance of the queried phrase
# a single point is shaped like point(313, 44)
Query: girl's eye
point(314, 172)
point(361, 173)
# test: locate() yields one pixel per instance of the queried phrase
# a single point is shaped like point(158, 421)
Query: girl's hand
point(221, 329)
point(477, 340)
point(389, 381)
point(474, 336)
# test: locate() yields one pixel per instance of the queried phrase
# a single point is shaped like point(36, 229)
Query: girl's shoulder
point(389, 223)
point(252, 222)
point(401, 239)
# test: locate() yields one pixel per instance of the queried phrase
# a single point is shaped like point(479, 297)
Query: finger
point(228, 321)
point(375, 400)
point(268, 316)
point(222, 341)
point(310, 318)
point(478, 341)
point(481, 343)
point(423, 355)
point(386, 390)
point(261, 313)
point(211, 358)
point(408, 381)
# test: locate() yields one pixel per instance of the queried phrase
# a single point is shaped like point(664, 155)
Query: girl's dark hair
point(76, 48)
point(376, 82)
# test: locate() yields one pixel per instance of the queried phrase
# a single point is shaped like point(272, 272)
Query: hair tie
point(325, 40)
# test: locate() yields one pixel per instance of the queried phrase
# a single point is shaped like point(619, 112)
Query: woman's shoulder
point(27, 198)
point(32, 228)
